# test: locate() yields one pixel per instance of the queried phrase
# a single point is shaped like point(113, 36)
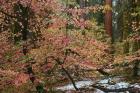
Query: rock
point(79, 84)
point(136, 88)
point(136, 85)
point(121, 85)
point(98, 91)
point(110, 87)
point(102, 86)
point(104, 81)
point(70, 91)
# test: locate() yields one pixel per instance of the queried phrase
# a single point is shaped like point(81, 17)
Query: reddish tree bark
point(108, 18)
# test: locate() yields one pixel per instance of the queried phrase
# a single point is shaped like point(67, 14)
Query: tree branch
point(103, 72)
point(67, 73)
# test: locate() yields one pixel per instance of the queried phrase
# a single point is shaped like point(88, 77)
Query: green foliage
point(8, 55)
point(70, 3)
point(26, 58)
point(40, 88)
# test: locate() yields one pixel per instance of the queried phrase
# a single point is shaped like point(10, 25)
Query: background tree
point(108, 17)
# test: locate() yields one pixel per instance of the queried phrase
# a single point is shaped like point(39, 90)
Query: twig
point(103, 72)
point(71, 79)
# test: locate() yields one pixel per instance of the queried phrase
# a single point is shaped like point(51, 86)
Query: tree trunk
point(136, 19)
point(82, 3)
point(108, 18)
point(108, 26)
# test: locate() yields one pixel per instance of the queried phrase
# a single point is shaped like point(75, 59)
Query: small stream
point(107, 85)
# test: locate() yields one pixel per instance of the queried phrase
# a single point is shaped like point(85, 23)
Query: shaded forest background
point(47, 42)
